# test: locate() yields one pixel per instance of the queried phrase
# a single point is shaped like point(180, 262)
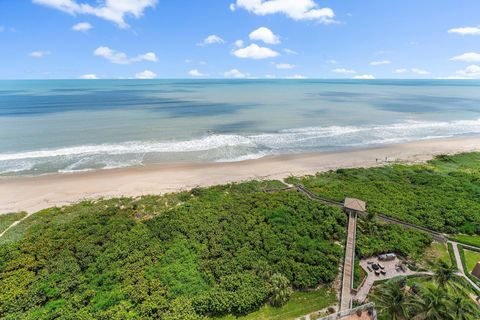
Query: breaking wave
point(229, 147)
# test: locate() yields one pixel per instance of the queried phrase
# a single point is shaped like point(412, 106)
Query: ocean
point(51, 126)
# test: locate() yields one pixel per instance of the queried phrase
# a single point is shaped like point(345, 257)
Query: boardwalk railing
point(348, 264)
point(366, 307)
point(313, 196)
point(436, 235)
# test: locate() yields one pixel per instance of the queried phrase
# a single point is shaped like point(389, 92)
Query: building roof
point(355, 204)
point(476, 271)
point(364, 316)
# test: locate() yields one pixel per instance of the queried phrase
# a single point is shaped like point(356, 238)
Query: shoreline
point(35, 193)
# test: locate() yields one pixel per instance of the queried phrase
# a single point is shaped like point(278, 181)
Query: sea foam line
point(284, 139)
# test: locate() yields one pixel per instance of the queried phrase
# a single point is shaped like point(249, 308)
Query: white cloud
point(378, 63)
point(364, 77)
point(149, 56)
point(239, 43)
point(270, 76)
point(196, 73)
point(470, 72)
point(294, 9)
point(235, 73)
point(111, 10)
point(82, 26)
point(147, 74)
point(39, 54)
point(211, 39)
point(285, 66)
point(332, 61)
point(232, 7)
point(253, 51)
point(89, 76)
point(264, 34)
point(119, 57)
point(295, 76)
point(343, 71)
point(188, 61)
point(289, 51)
point(420, 72)
point(474, 31)
point(113, 56)
point(467, 57)
point(400, 71)
point(203, 63)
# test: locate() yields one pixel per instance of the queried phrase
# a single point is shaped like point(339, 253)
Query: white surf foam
point(136, 147)
point(250, 156)
point(232, 147)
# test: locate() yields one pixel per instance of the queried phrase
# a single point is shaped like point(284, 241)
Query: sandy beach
point(35, 193)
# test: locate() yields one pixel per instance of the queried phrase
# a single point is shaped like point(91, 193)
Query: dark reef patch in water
point(99, 100)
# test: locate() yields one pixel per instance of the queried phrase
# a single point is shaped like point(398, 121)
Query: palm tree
point(392, 299)
point(445, 276)
point(432, 304)
point(464, 309)
point(280, 290)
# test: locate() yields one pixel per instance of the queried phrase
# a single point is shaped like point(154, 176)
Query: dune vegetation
point(443, 194)
point(221, 250)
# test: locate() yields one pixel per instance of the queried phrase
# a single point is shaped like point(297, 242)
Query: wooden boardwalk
point(348, 264)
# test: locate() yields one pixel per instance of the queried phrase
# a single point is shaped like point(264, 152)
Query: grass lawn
point(437, 252)
point(9, 218)
point(471, 259)
point(301, 303)
point(467, 239)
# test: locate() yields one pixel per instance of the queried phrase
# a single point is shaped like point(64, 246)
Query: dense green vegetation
point(374, 238)
point(443, 194)
point(7, 219)
point(206, 252)
point(301, 303)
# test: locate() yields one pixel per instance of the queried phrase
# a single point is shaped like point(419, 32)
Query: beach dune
point(35, 193)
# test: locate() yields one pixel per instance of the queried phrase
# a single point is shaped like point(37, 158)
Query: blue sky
point(279, 38)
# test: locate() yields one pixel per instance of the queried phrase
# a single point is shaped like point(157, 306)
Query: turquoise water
point(78, 125)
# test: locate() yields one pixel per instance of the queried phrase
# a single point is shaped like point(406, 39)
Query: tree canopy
point(225, 249)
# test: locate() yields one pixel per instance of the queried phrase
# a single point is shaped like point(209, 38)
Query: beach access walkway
point(348, 264)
